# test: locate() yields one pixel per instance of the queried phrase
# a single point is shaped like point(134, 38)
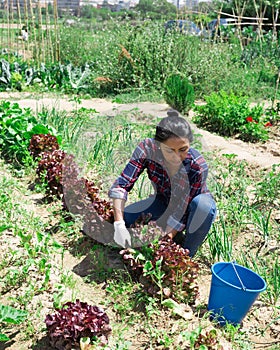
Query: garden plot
point(81, 268)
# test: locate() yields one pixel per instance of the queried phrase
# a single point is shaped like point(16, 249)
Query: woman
point(182, 204)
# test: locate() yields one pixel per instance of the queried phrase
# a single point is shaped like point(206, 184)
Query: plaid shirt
point(177, 192)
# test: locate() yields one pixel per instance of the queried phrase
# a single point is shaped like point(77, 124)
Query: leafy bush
point(75, 321)
point(231, 115)
point(179, 93)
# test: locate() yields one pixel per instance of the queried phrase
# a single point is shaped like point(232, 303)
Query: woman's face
point(175, 150)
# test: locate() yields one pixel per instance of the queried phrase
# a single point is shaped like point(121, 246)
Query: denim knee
point(202, 211)
point(201, 214)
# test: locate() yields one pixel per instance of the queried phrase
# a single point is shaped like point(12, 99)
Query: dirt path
point(262, 155)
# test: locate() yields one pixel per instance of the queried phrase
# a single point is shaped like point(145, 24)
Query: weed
point(220, 240)
point(147, 302)
point(267, 189)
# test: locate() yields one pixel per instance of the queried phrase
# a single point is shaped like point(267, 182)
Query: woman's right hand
point(121, 234)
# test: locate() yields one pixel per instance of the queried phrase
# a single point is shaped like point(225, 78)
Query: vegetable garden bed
point(47, 261)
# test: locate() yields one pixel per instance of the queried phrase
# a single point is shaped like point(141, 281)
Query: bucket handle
point(240, 281)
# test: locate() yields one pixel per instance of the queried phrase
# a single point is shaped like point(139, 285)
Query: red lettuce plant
point(74, 321)
point(209, 340)
point(145, 230)
point(50, 167)
point(102, 207)
point(41, 143)
point(61, 173)
point(79, 195)
point(164, 268)
point(180, 271)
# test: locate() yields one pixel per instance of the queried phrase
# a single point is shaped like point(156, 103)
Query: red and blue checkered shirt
point(177, 192)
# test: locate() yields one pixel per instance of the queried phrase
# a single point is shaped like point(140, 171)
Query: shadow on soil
point(99, 264)
point(42, 344)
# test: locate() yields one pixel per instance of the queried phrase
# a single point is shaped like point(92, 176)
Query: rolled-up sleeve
point(125, 182)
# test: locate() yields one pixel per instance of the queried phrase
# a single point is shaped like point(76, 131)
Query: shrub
point(231, 115)
point(179, 93)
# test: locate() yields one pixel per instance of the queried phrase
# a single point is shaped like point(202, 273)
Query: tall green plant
point(179, 93)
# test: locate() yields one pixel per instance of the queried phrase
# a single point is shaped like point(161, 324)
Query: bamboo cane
point(12, 32)
point(274, 20)
point(8, 28)
point(48, 35)
point(260, 14)
point(40, 34)
point(19, 26)
point(276, 88)
point(217, 26)
point(57, 46)
point(240, 13)
point(26, 21)
point(36, 45)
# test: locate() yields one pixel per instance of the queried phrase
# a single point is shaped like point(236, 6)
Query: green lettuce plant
point(10, 315)
point(17, 126)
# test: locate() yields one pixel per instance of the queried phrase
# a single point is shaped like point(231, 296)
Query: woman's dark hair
point(173, 126)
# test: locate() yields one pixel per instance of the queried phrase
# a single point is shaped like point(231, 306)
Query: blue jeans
point(200, 214)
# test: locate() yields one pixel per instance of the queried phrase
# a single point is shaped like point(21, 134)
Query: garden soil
point(257, 156)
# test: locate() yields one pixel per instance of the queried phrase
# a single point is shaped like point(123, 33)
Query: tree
point(156, 8)
point(145, 6)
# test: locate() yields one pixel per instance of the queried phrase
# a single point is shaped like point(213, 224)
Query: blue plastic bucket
point(234, 289)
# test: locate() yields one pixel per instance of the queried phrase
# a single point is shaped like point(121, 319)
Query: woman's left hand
point(170, 232)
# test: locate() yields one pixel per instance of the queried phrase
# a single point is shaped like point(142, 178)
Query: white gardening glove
point(121, 235)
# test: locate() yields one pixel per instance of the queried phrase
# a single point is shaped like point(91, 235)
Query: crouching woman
point(181, 203)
